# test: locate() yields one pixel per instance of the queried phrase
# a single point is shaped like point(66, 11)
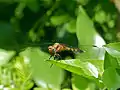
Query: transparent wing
point(91, 52)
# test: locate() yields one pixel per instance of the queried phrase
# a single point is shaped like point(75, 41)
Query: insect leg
point(50, 57)
point(54, 59)
point(57, 56)
point(51, 65)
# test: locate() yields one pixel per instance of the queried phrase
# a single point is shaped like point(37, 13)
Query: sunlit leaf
point(91, 52)
point(77, 82)
point(113, 49)
point(85, 29)
point(5, 56)
point(42, 73)
point(84, 68)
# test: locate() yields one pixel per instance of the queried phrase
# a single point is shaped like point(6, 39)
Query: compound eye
point(50, 47)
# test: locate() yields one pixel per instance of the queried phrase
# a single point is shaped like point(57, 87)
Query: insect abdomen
point(74, 50)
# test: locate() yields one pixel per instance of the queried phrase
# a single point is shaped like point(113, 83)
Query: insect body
point(59, 50)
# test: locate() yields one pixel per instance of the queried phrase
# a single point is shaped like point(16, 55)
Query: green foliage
point(86, 27)
point(28, 27)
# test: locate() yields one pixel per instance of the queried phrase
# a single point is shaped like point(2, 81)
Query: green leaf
point(111, 78)
point(111, 61)
point(84, 68)
point(113, 49)
point(113, 46)
point(99, 65)
point(100, 16)
point(85, 28)
point(78, 84)
point(5, 56)
point(42, 73)
point(61, 19)
point(91, 52)
point(71, 26)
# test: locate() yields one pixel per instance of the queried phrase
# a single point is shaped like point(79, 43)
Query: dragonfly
point(59, 50)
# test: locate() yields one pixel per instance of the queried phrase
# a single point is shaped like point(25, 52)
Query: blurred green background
point(28, 27)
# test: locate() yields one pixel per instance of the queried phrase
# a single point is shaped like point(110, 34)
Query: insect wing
point(91, 52)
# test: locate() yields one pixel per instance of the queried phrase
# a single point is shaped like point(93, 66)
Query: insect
point(59, 50)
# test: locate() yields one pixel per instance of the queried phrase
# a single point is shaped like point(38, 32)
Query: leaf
point(91, 52)
point(111, 61)
point(111, 78)
point(78, 84)
point(85, 30)
point(71, 26)
point(112, 65)
point(113, 46)
point(84, 68)
point(42, 73)
point(5, 56)
point(58, 20)
point(100, 16)
point(113, 49)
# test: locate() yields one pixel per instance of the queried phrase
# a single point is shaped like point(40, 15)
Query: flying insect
point(58, 51)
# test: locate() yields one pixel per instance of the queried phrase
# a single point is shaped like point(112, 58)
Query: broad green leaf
point(42, 73)
point(113, 49)
point(76, 81)
point(85, 30)
point(91, 52)
point(111, 78)
point(111, 61)
point(99, 65)
point(115, 46)
point(84, 68)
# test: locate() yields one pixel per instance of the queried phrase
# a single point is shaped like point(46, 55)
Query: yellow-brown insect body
point(57, 48)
